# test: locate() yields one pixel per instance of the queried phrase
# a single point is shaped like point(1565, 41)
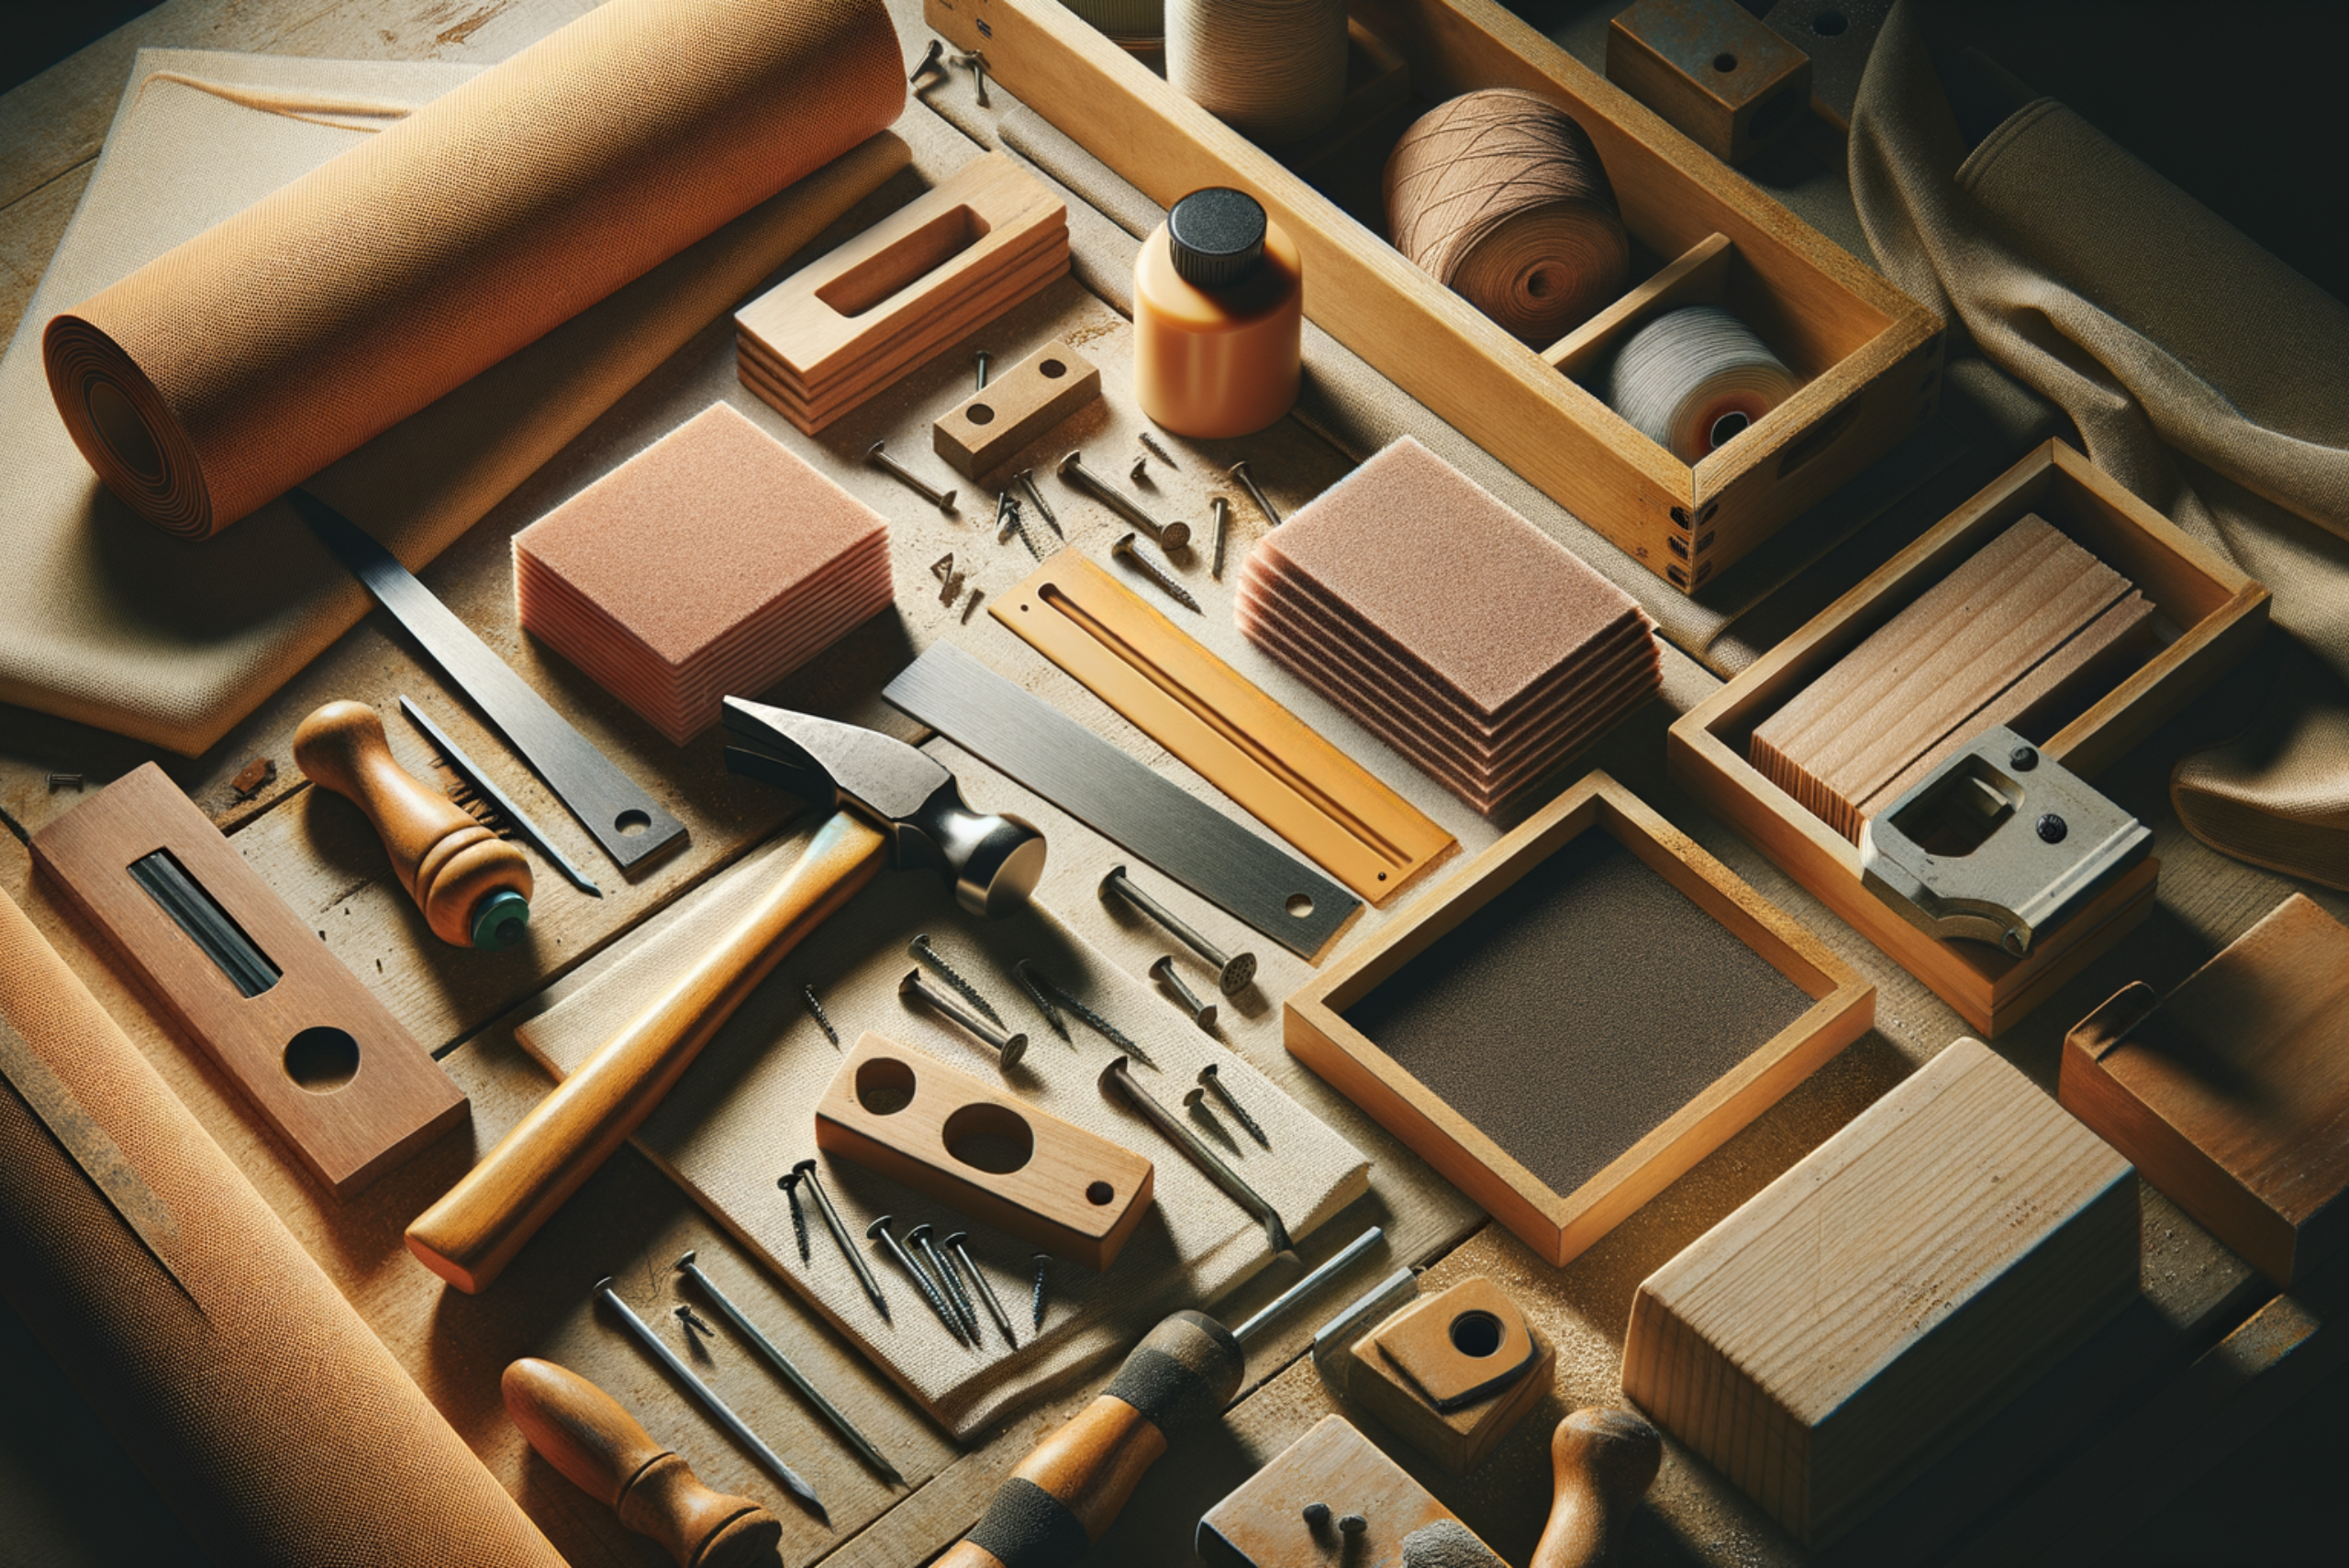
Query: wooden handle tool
point(582, 1431)
point(473, 887)
point(1602, 1463)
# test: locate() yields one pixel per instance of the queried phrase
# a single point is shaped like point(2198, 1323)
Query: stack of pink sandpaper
point(714, 562)
point(1458, 632)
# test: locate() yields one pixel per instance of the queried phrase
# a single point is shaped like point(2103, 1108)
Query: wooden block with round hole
point(1713, 70)
point(1452, 1373)
point(991, 425)
point(984, 1152)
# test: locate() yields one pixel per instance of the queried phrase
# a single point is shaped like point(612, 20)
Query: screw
point(816, 1011)
point(1352, 1524)
point(1027, 477)
point(789, 1182)
point(1212, 1082)
point(921, 950)
point(1160, 452)
point(2022, 759)
point(958, 1245)
point(1036, 1304)
point(1036, 994)
point(1124, 550)
point(806, 1170)
point(880, 1228)
point(1090, 1019)
point(2052, 829)
point(1232, 975)
point(693, 1324)
point(1139, 472)
point(1240, 471)
point(1116, 1079)
point(1202, 1013)
point(1009, 1049)
point(963, 1311)
point(930, 60)
point(61, 780)
point(1221, 507)
point(945, 502)
point(983, 357)
point(1170, 536)
point(1317, 1516)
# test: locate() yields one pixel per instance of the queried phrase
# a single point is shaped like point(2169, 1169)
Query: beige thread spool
point(1274, 71)
point(1501, 198)
point(1693, 379)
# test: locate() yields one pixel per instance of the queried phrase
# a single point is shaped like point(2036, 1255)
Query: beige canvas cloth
point(2199, 370)
point(744, 1113)
point(106, 618)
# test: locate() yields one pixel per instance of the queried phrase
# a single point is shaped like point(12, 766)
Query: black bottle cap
point(1216, 237)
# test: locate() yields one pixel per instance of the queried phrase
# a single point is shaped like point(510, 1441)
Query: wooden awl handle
point(1602, 1463)
point(470, 1235)
point(473, 887)
point(582, 1431)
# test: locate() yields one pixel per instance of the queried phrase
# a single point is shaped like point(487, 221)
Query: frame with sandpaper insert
point(2211, 614)
point(1560, 1225)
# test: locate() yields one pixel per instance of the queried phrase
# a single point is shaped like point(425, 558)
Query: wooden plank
point(995, 423)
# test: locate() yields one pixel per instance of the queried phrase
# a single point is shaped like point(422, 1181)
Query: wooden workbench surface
point(630, 1221)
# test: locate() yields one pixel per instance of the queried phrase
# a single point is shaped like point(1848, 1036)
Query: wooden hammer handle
point(470, 1235)
point(1602, 1463)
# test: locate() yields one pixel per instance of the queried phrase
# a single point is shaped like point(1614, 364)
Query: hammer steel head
point(993, 862)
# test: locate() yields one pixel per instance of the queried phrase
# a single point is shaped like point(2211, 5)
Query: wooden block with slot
point(1262, 1525)
point(1072, 1193)
point(851, 323)
point(1713, 69)
point(2216, 612)
point(1556, 955)
point(990, 427)
point(1863, 1313)
point(2230, 1094)
point(1870, 356)
point(1452, 1373)
point(318, 1055)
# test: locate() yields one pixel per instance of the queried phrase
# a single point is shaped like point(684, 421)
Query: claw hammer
point(890, 804)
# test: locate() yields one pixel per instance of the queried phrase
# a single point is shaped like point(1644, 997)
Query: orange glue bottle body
point(1218, 317)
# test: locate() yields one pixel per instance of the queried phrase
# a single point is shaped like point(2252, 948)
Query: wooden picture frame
point(1560, 1225)
point(2220, 615)
point(1871, 356)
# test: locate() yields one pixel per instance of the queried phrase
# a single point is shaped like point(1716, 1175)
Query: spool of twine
point(1274, 71)
point(1693, 379)
point(1127, 22)
point(1500, 196)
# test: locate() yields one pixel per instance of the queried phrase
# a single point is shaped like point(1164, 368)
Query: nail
point(880, 1229)
point(806, 1170)
point(1170, 536)
point(957, 1245)
point(1027, 477)
point(926, 953)
point(789, 1182)
point(1221, 507)
point(1009, 1049)
point(929, 60)
point(1030, 983)
point(1232, 975)
point(1212, 1082)
point(1116, 1079)
point(964, 1313)
point(1124, 550)
point(1202, 1013)
point(942, 500)
point(983, 357)
point(1247, 480)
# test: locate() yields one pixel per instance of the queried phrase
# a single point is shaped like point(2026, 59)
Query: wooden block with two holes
point(1263, 1524)
point(1859, 1316)
point(989, 427)
point(318, 1055)
point(2205, 615)
point(1714, 70)
point(986, 1152)
point(1452, 1373)
point(2231, 1092)
point(1576, 1016)
point(854, 322)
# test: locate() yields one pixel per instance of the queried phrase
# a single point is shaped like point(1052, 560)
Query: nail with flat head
point(983, 357)
point(956, 1244)
point(1118, 1083)
point(1231, 974)
point(1007, 1047)
point(1124, 550)
point(1170, 536)
point(964, 1313)
point(930, 60)
point(942, 500)
point(1223, 510)
point(1027, 477)
point(806, 1172)
point(879, 1229)
point(1202, 1013)
point(1248, 482)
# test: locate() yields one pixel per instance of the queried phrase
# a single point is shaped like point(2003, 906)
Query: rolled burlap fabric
point(240, 363)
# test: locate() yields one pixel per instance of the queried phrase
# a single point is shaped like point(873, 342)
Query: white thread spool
point(1274, 71)
point(1127, 22)
point(1693, 379)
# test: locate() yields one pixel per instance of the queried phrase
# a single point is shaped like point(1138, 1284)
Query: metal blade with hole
point(1122, 800)
point(628, 823)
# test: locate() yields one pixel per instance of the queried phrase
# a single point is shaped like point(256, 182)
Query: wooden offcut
point(1714, 70)
point(850, 324)
point(985, 1152)
point(2230, 1093)
point(1452, 1373)
point(1262, 1525)
point(1864, 1312)
point(348, 1088)
point(989, 427)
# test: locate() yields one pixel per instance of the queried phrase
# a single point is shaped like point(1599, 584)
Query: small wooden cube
point(1263, 1524)
point(1870, 1308)
point(1454, 1372)
point(1711, 67)
point(2231, 1094)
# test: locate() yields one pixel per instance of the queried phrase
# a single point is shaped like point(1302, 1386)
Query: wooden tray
point(1561, 1225)
point(2218, 613)
point(1872, 355)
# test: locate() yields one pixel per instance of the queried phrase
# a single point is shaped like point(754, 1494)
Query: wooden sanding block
point(1265, 1523)
point(310, 1046)
point(2230, 1094)
point(984, 1152)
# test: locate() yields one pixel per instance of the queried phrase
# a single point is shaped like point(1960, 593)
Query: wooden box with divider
point(2191, 614)
point(1865, 358)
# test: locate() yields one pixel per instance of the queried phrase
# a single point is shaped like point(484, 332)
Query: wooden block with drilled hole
point(1857, 1317)
point(1714, 70)
point(852, 322)
point(1263, 1524)
point(993, 424)
point(1452, 1373)
point(321, 1060)
point(986, 1152)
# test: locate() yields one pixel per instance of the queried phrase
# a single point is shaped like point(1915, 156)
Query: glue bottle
point(1218, 317)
